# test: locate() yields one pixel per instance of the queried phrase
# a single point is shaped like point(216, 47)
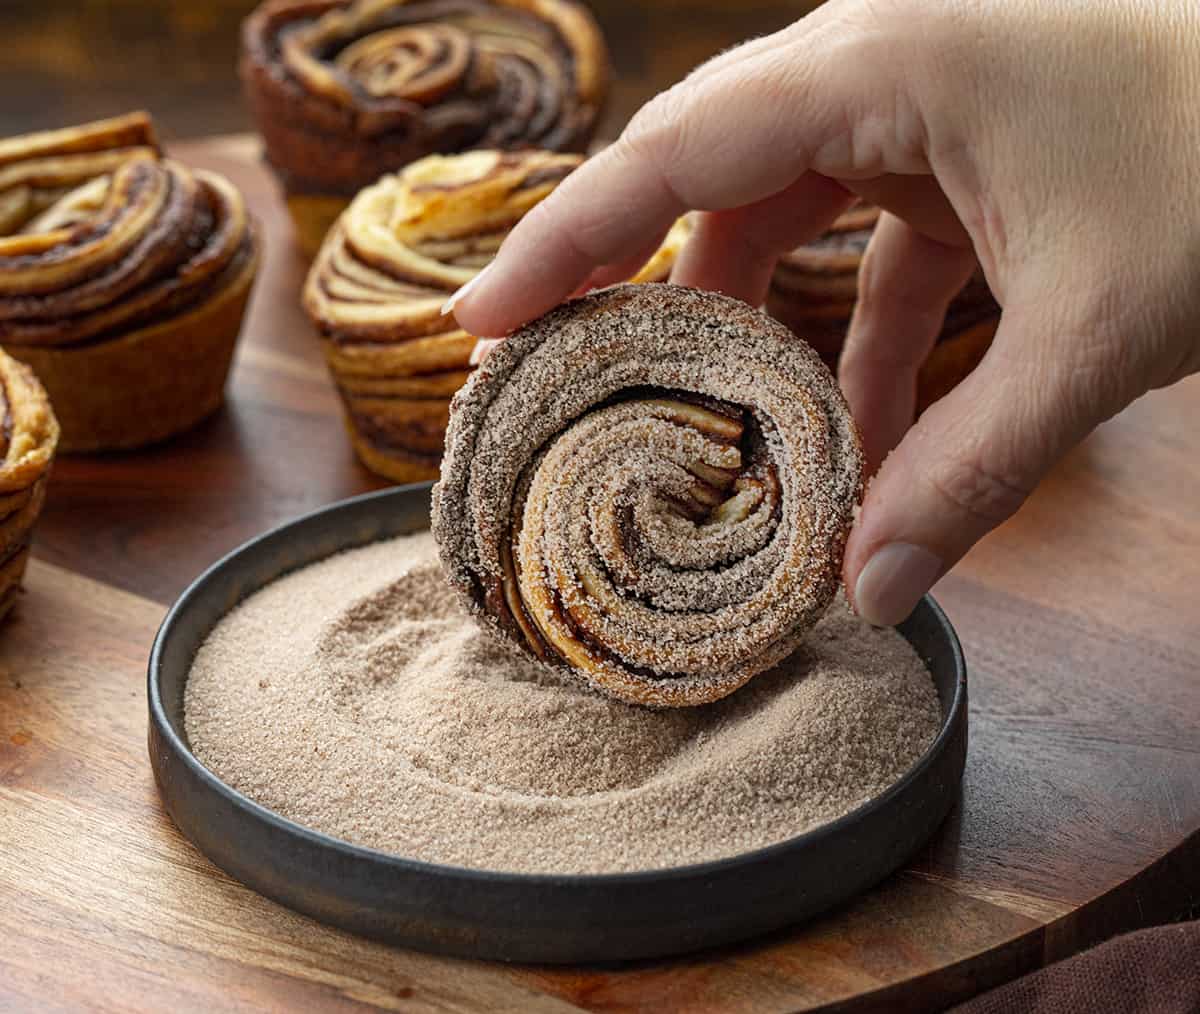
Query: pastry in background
point(123, 280)
point(377, 288)
point(815, 287)
point(28, 439)
point(345, 92)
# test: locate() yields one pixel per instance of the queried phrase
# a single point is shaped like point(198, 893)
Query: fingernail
point(482, 347)
point(892, 583)
point(456, 297)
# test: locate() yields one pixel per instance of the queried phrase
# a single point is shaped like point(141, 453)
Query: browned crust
point(30, 433)
point(322, 144)
point(16, 528)
point(152, 382)
point(392, 462)
point(36, 169)
point(12, 576)
point(129, 131)
point(124, 289)
point(161, 240)
point(815, 288)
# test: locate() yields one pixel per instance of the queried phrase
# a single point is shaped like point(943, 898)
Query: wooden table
point(1080, 814)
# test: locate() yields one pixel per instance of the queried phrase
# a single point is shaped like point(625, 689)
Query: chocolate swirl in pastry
point(345, 92)
point(815, 287)
point(28, 438)
point(377, 288)
point(651, 486)
point(126, 293)
point(36, 170)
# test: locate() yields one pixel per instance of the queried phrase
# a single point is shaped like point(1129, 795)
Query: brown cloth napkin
point(1153, 971)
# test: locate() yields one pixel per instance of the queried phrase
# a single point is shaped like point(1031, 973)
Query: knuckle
point(657, 131)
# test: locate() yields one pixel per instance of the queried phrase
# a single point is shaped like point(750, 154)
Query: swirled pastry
point(28, 438)
point(36, 170)
point(344, 92)
point(651, 486)
point(377, 287)
point(123, 279)
point(815, 287)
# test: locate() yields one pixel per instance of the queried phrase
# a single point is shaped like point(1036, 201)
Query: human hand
point(1054, 142)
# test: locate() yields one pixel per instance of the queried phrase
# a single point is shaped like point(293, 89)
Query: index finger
point(723, 139)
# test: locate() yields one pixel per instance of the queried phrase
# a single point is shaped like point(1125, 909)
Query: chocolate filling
point(706, 498)
point(442, 76)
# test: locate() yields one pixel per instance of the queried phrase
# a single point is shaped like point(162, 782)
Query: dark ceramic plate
point(522, 917)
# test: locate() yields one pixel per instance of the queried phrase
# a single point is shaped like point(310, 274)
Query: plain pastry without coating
point(651, 486)
point(815, 288)
point(123, 280)
point(377, 289)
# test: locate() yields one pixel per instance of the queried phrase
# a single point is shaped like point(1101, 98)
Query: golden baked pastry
point(344, 92)
point(815, 287)
point(28, 439)
point(651, 486)
point(123, 280)
point(38, 169)
point(377, 287)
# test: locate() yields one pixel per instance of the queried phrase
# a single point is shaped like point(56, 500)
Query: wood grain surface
point(1080, 814)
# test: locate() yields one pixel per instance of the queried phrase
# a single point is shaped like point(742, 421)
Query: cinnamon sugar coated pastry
point(28, 439)
point(815, 287)
point(651, 486)
point(123, 279)
point(377, 288)
point(344, 92)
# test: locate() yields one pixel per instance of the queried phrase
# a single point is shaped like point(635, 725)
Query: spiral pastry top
point(651, 486)
point(378, 284)
point(142, 242)
point(344, 92)
point(37, 170)
point(123, 280)
point(28, 438)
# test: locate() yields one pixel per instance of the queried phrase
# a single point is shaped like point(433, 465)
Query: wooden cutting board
point(1080, 814)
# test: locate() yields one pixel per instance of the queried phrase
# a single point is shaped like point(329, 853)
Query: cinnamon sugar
point(357, 698)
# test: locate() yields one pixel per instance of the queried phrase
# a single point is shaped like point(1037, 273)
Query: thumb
point(973, 458)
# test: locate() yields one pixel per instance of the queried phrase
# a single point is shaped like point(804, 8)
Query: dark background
point(66, 61)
